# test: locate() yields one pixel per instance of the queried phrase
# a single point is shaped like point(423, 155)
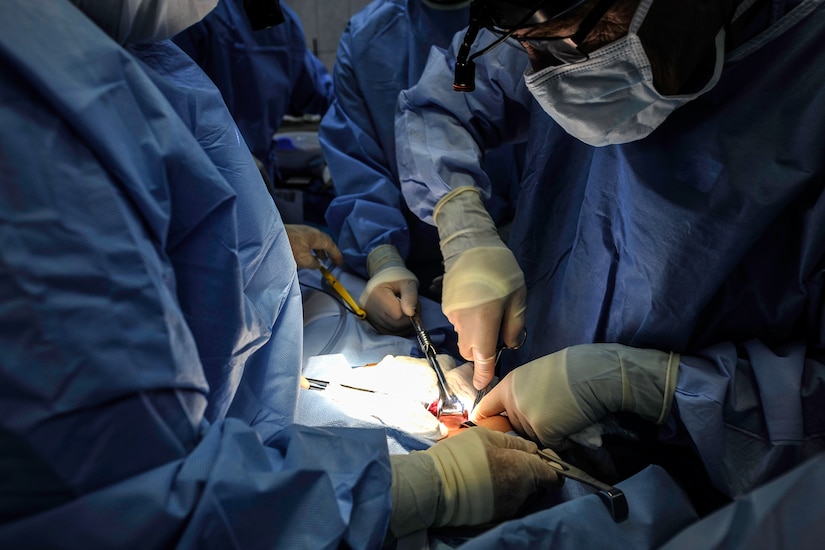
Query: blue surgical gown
point(263, 75)
point(706, 238)
point(784, 513)
point(151, 317)
point(384, 50)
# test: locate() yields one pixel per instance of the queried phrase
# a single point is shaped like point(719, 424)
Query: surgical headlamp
point(504, 18)
point(263, 13)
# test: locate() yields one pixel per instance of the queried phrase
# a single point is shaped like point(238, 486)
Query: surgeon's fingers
point(507, 441)
point(408, 296)
point(388, 306)
point(320, 241)
point(512, 325)
point(478, 329)
point(383, 307)
point(484, 369)
point(501, 399)
point(492, 404)
point(482, 330)
point(309, 243)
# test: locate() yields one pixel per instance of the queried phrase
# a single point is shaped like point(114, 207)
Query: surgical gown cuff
point(383, 257)
point(416, 489)
point(463, 223)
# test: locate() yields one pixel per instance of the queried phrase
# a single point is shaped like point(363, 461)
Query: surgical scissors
point(484, 391)
point(339, 289)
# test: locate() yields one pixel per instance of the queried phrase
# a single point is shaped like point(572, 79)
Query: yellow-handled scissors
point(342, 292)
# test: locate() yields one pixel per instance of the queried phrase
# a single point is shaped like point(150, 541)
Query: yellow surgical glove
point(560, 394)
point(391, 294)
point(484, 293)
point(473, 478)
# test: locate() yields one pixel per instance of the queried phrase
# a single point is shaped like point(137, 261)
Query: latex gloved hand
point(561, 394)
point(484, 293)
point(391, 294)
point(308, 242)
point(475, 477)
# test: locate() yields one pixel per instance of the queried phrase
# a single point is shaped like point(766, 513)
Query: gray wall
point(324, 21)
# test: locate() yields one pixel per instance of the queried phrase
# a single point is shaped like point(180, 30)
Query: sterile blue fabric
point(384, 50)
point(784, 513)
point(270, 308)
point(586, 522)
point(151, 315)
point(436, 155)
point(263, 75)
point(330, 328)
point(706, 238)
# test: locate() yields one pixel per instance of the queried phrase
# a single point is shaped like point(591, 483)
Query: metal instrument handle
point(448, 402)
point(613, 498)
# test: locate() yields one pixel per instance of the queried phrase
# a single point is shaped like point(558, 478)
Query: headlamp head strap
point(509, 16)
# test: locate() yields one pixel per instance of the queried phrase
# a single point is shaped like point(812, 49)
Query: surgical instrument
point(500, 348)
point(613, 498)
point(339, 289)
point(316, 384)
point(448, 403)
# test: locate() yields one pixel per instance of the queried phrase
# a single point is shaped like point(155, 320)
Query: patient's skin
point(497, 423)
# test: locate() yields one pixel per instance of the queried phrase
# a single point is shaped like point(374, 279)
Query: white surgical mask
point(610, 97)
point(138, 21)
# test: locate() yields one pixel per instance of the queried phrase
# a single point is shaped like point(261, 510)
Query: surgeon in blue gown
point(263, 74)
point(670, 230)
point(384, 49)
point(152, 319)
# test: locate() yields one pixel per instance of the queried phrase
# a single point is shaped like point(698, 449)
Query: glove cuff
point(388, 274)
point(463, 223)
point(481, 275)
point(641, 381)
point(671, 374)
point(648, 382)
point(416, 488)
point(382, 257)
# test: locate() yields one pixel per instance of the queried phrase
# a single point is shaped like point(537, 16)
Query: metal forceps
point(500, 348)
point(613, 498)
point(448, 403)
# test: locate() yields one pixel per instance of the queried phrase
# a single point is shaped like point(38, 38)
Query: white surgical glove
point(144, 21)
point(309, 243)
point(484, 293)
point(560, 394)
point(475, 477)
point(391, 294)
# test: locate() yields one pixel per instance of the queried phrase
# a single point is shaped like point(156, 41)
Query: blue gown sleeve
point(366, 211)
point(261, 292)
point(314, 91)
point(111, 203)
point(442, 135)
